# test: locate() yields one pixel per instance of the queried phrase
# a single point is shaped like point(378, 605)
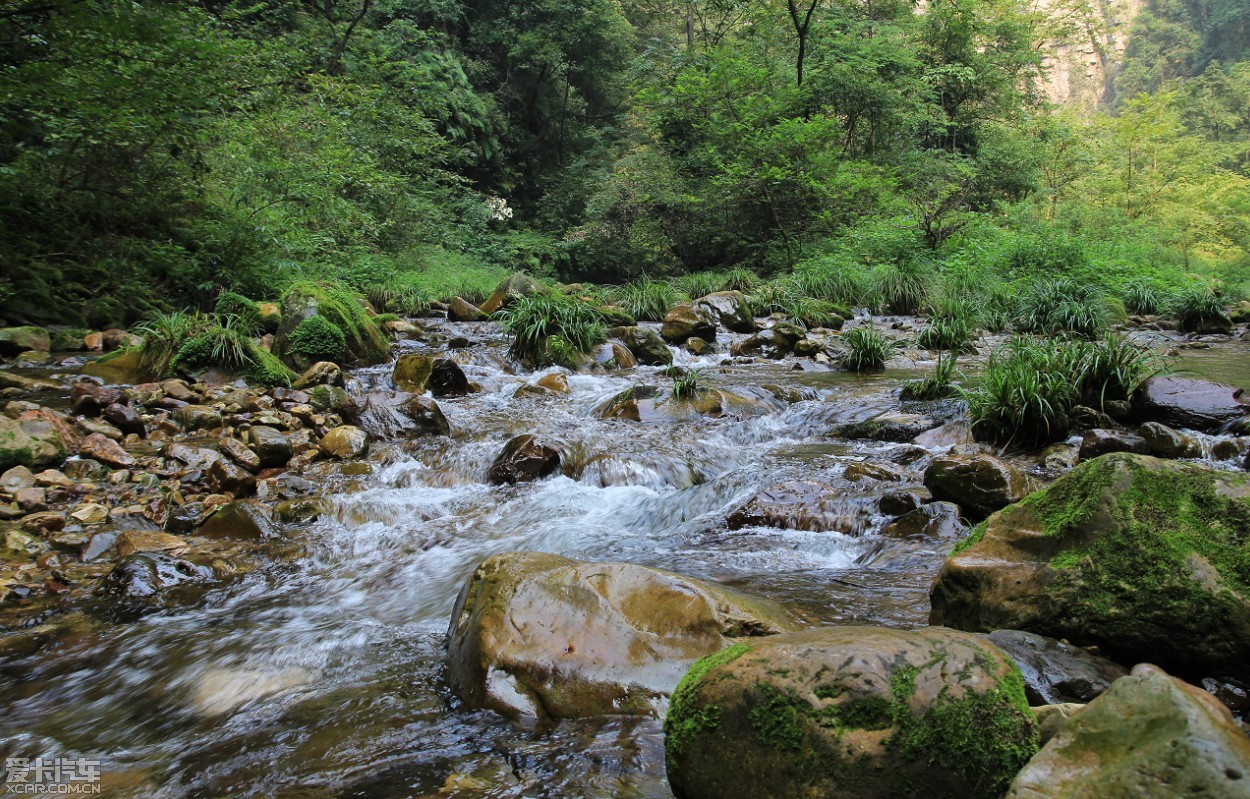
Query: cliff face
point(1085, 50)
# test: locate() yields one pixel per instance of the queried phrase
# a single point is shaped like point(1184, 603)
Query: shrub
point(867, 349)
point(164, 334)
point(221, 343)
point(1063, 306)
point(947, 334)
point(317, 339)
point(939, 385)
point(1198, 307)
point(551, 329)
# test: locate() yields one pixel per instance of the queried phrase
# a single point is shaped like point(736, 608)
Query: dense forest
point(157, 153)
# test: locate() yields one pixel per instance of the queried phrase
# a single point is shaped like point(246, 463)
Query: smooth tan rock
point(345, 443)
point(132, 541)
point(540, 635)
point(412, 372)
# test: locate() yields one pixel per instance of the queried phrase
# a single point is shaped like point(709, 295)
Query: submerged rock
point(541, 635)
point(1144, 558)
point(801, 505)
point(1150, 736)
point(147, 580)
point(524, 459)
point(850, 713)
point(935, 520)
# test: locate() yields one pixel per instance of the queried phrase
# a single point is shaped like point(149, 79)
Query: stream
point(321, 676)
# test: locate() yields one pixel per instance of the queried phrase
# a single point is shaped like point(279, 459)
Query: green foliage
point(939, 385)
point(341, 309)
point(1140, 297)
point(1029, 388)
point(867, 349)
point(192, 341)
point(686, 385)
point(549, 329)
point(903, 288)
point(1198, 307)
point(947, 334)
point(247, 312)
point(317, 339)
point(164, 334)
point(1063, 306)
point(648, 300)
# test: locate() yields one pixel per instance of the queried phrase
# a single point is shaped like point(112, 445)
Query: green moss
point(686, 717)
point(236, 305)
point(382, 319)
point(973, 538)
point(341, 309)
point(778, 719)
point(114, 355)
point(269, 370)
point(317, 339)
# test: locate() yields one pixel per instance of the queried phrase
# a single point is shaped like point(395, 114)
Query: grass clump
point(954, 334)
point(1029, 388)
point(550, 329)
point(1052, 307)
point(868, 349)
point(1140, 297)
point(317, 339)
point(939, 385)
point(247, 311)
point(903, 288)
point(223, 343)
point(647, 300)
point(164, 334)
point(686, 385)
point(1199, 308)
point(701, 284)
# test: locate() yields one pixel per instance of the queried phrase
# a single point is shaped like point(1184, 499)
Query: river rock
point(775, 342)
point(1190, 403)
point(36, 443)
point(106, 451)
point(273, 449)
point(1143, 558)
point(1056, 672)
point(333, 399)
point(14, 340)
point(345, 443)
point(461, 310)
point(322, 373)
point(224, 477)
point(646, 346)
point(801, 505)
point(1103, 442)
point(412, 372)
point(145, 579)
point(123, 368)
point(238, 521)
point(366, 343)
point(980, 484)
point(427, 416)
point(523, 459)
point(16, 479)
point(198, 417)
point(894, 426)
point(541, 635)
point(125, 419)
point(615, 355)
point(730, 308)
point(447, 379)
point(223, 691)
point(516, 286)
point(850, 713)
point(129, 542)
point(685, 321)
point(88, 399)
point(935, 520)
point(556, 383)
point(1150, 736)
point(238, 452)
point(1164, 442)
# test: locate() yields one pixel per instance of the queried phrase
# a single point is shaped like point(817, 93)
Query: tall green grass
point(549, 329)
point(868, 349)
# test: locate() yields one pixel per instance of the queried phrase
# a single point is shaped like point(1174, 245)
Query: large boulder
point(850, 713)
point(14, 340)
point(119, 368)
point(540, 635)
point(365, 341)
point(1189, 402)
point(34, 443)
point(412, 372)
point(524, 459)
point(1150, 736)
point(515, 287)
point(646, 346)
point(1143, 558)
point(426, 416)
point(979, 484)
point(731, 308)
point(461, 310)
point(1164, 442)
point(685, 321)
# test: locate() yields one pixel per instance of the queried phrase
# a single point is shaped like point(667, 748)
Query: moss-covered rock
point(1150, 736)
point(850, 712)
point(542, 635)
point(34, 443)
point(685, 321)
point(365, 342)
point(22, 339)
point(1144, 558)
point(122, 367)
point(412, 372)
point(317, 339)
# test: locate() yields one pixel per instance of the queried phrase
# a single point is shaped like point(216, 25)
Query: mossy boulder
point(34, 443)
point(1150, 736)
point(365, 343)
point(646, 346)
point(517, 285)
point(412, 372)
point(685, 321)
point(536, 634)
point(850, 713)
point(14, 340)
point(1145, 559)
point(122, 367)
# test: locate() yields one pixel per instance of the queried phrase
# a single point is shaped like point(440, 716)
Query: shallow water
point(322, 676)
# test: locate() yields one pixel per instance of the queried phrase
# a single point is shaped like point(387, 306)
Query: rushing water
point(321, 676)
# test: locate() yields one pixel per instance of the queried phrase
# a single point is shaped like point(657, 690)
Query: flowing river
point(321, 675)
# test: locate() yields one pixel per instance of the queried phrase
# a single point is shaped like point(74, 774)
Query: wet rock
point(447, 379)
point(198, 417)
point(322, 373)
point(615, 355)
point(301, 511)
point(129, 542)
point(461, 310)
point(1129, 553)
point(524, 459)
point(897, 503)
point(515, 287)
point(24, 544)
point(1150, 736)
point(800, 505)
point(685, 321)
point(345, 443)
point(1190, 403)
point(850, 713)
point(556, 382)
point(888, 426)
point(106, 451)
point(238, 521)
point(1053, 718)
point(90, 513)
point(427, 417)
point(16, 479)
point(146, 578)
point(980, 484)
point(1060, 457)
point(26, 385)
point(868, 470)
point(223, 477)
point(89, 399)
point(194, 457)
point(14, 340)
point(1082, 417)
point(1164, 442)
point(412, 372)
point(183, 519)
point(540, 635)
point(646, 346)
point(1056, 672)
point(31, 500)
point(179, 390)
point(775, 343)
point(223, 691)
point(273, 449)
point(126, 419)
point(730, 308)
point(34, 443)
point(935, 520)
point(1103, 442)
point(332, 399)
point(101, 428)
point(123, 369)
point(236, 451)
